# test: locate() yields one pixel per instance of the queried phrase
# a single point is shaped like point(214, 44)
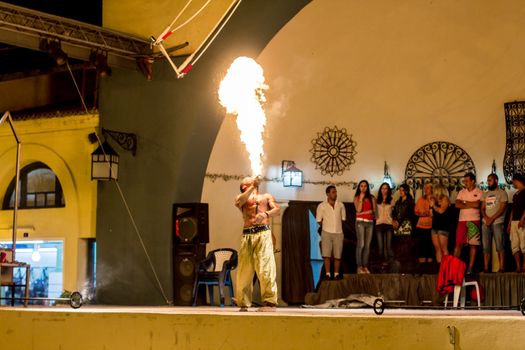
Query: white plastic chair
point(460, 291)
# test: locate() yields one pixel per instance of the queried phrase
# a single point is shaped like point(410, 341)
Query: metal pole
point(17, 188)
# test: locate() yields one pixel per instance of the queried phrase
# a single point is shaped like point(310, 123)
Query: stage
point(498, 289)
point(105, 327)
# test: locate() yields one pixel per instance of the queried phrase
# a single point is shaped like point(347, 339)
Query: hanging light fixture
point(292, 177)
point(104, 163)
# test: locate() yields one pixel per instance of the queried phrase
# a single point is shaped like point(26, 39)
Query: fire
point(242, 93)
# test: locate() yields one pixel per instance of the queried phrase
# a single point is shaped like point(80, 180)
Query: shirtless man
point(256, 252)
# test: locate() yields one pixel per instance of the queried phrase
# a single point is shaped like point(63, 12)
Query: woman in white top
point(384, 229)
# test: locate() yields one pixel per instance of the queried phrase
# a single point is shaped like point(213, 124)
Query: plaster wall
point(395, 75)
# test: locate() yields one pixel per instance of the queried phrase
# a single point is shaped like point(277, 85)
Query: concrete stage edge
point(98, 327)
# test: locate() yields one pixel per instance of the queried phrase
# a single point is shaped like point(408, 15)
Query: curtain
point(297, 279)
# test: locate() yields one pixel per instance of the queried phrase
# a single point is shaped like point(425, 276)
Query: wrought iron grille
point(333, 151)
point(438, 162)
point(514, 161)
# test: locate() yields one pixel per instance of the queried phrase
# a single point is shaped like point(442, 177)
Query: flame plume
point(241, 92)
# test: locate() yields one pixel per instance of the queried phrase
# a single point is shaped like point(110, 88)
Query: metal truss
point(26, 28)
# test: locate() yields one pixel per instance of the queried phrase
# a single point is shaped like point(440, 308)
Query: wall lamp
point(292, 177)
point(387, 178)
point(105, 160)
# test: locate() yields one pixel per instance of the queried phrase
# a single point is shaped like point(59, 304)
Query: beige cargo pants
point(256, 255)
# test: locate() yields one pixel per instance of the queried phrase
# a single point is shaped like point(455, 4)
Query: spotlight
point(100, 62)
point(54, 50)
point(146, 67)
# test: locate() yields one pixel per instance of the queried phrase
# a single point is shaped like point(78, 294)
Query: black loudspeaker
point(190, 223)
point(186, 259)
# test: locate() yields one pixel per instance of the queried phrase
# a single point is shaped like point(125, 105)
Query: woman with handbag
point(403, 215)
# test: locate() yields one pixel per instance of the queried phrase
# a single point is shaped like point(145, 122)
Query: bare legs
point(440, 243)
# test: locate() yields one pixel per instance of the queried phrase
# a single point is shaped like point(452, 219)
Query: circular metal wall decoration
point(438, 162)
point(333, 151)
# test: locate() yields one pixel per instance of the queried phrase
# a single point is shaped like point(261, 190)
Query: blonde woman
point(441, 220)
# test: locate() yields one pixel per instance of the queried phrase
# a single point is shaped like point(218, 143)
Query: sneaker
point(366, 270)
point(359, 270)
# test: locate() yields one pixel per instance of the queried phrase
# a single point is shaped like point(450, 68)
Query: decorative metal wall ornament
point(333, 151)
point(126, 140)
point(514, 161)
point(438, 162)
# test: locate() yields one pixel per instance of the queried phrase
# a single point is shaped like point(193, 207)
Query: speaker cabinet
point(186, 259)
point(190, 223)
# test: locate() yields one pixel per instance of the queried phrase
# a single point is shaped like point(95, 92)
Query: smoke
point(241, 92)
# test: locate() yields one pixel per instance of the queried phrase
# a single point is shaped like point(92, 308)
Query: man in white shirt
point(330, 215)
point(468, 230)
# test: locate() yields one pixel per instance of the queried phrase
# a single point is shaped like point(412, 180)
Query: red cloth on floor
point(451, 273)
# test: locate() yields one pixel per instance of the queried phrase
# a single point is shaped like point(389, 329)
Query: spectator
point(515, 228)
point(423, 210)
point(493, 205)
point(384, 229)
point(330, 215)
point(441, 221)
point(468, 202)
point(402, 215)
point(365, 205)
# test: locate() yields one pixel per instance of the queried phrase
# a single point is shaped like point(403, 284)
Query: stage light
point(292, 177)
point(104, 163)
point(100, 61)
point(54, 49)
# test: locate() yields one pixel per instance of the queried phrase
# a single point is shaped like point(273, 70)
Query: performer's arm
point(274, 210)
point(241, 199)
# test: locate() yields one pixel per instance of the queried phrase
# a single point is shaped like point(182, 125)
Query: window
point(39, 188)
point(46, 273)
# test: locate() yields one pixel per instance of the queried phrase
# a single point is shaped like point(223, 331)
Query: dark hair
point(367, 193)
point(407, 190)
point(494, 176)
point(388, 198)
point(329, 188)
point(471, 176)
point(519, 177)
